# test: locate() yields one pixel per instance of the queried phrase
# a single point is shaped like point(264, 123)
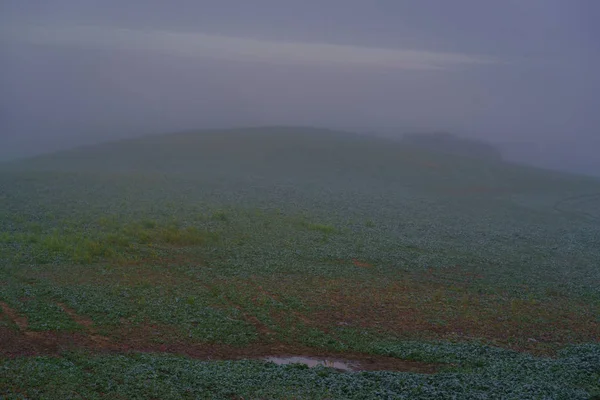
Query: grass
point(288, 242)
point(112, 242)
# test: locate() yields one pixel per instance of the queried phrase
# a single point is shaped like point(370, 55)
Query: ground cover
point(439, 282)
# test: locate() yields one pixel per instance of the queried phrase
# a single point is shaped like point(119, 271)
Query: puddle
point(313, 362)
point(357, 362)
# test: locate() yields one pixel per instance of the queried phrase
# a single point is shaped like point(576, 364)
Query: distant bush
point(316, 227)
point(452, 144)
point(327, 229)
point(220, 216)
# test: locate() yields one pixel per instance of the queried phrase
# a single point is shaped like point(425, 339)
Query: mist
point(521, 75)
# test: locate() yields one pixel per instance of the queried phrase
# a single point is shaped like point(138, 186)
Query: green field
point(168, 267)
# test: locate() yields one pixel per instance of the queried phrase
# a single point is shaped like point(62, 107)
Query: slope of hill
point(293, 241)
point(286, 152)
point(444, 142)
point(436, 200)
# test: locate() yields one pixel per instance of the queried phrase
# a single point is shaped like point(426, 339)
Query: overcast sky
point(516, 71)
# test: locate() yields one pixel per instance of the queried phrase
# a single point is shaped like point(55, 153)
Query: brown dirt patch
point(262, 290)
point(19, 320)
point(26, 342)
point(261, 328)
point(150, 271)
point(368, 362)
point(361, 264)
point(88, 324)
point(15, 344)
point(418, 309)
point(83, 321)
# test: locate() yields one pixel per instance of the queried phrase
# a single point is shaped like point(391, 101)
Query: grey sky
point(510, 71)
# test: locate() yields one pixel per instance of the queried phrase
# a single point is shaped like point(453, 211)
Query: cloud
point(243, 49)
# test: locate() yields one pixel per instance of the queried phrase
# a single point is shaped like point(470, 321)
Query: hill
point(444, 142)
point(434, 200)
point(284, 152)
point(252, 243)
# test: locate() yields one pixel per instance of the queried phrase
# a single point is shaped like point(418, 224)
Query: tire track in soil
point(37, 343)
point(23, 324)
point(298, 315)
point(88, 324)
point(276, 299)
point(260, 327)
point(19, 320)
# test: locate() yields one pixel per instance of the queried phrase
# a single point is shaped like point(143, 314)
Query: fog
point(521, 74)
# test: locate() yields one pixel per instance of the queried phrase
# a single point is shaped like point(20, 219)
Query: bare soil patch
point(19, 320)
point(16, 344)
point(361, 264)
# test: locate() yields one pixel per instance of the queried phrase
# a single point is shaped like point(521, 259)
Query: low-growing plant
point(220, 216)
